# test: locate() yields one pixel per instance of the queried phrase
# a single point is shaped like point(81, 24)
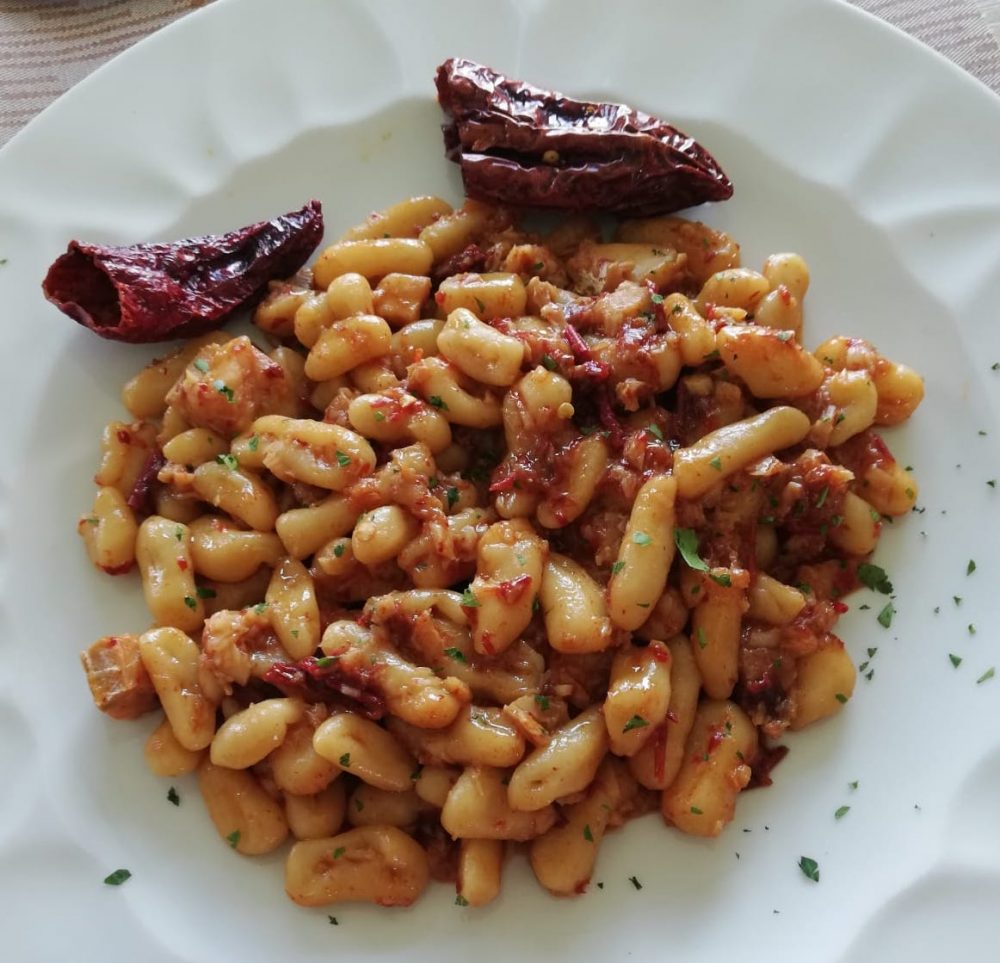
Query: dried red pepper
point(520, 145)
point(156, 292)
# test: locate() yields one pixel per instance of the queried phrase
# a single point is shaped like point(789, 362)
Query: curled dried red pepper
point(520, 145)
point(156, 292)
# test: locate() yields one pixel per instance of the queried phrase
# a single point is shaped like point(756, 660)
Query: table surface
point(47, 46)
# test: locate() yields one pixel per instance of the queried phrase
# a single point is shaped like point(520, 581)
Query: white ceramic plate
point(847, 142)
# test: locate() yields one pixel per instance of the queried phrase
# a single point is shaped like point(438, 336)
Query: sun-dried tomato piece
point(156, 292)
point(326, 680)
point(520, 145)
point(140, 499)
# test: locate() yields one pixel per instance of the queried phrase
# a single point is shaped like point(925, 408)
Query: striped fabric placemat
point(46, 46)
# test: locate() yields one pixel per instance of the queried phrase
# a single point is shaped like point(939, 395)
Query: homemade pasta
point(488, 536)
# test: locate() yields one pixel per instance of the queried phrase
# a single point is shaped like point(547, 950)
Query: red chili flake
point(513, 589)
point(659, 652)
point(123, 436)
point(182, 563)
point(840, 607)
point(576, 344)
point(157, 292)
point(487, 642)
point(504, 484)
point(784, 294)
point(439, 297)
point(519, 144)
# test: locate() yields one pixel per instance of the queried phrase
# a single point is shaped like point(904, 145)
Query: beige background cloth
point(46, 46)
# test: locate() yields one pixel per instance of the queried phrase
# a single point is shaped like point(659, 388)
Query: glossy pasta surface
point(488, 537)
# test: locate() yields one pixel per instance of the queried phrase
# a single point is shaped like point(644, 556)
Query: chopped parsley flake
point(205, 593)
point(635, 882)
point(636, 722)
point(117, 877)
point(617, 567)
point(821, 501)
point(655, 431)
point(972, 629)
point(971, 567)
point(460, 900)
point(233, 838)
point(875, 578)
point(254, 443)
point(885, 616)
point(700, 637)
point(657, 298)
point(548, 362)
point(724, 580)
point(480, 305)
point(587, 834)
point(201, 364)
point(379, 416)
point(417, 773)
point(841, 698)
point(457, 654)
point(173, 797)
point(542, 701)
point(987, 675)
point(333, 920)
point(452, 495)
point(190, 602)
point(224, 389)
point(228, 460)
point(956, 660)
point(696, 811)
point(641, 538)
point(716, 463)
point(992, 483)
point(343, 460)
point(841, 812)
point(810, 868)
point(469, 600)
point(325, 661)
point(178, 533)
point(436, 402)
point(339, 851)
point(957, 599)
point(345, 763)
point(260, 608)
point(338, 549)
point(687, 544)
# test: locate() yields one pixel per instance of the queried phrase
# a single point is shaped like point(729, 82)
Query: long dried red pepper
point(520, 145)
point(155, 292)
